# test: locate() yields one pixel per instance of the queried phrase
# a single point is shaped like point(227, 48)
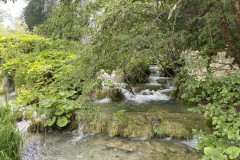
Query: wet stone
point(165, 81)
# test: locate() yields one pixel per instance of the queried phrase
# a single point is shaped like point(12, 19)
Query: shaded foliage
point(34, 13)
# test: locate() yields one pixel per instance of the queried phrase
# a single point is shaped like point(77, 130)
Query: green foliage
point(66, 21)
point(218, 98)
point(55, 79)
point(121, 117)
point(137, 71)
point(34, 13)
point(21, 43)
point(11, 139)
point(48, 77)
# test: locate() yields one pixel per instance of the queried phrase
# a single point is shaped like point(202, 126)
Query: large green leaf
point(69, 106)
point(62, 121)
point(48, 102)
point(233, 152)
point(214, 154)
point(48, 111)
point(49, 122)
point(59, 111)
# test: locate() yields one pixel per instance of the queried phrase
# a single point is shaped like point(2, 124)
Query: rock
point(116, 95)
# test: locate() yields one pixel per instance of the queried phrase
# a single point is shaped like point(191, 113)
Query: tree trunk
point(227, 34)
point(236, 11)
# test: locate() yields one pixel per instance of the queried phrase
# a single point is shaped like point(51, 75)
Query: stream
point(76, 145)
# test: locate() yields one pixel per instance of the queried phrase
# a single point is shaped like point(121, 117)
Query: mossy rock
point(188, 103)
point(72, 126)
point(130, 126)
point(100, 94)
point(208, 123)
point(140, 88)
point(174, 129)
point(137, 124)
point(175, 93)
point(165, 81)
point(36, 127)
point(116, 95)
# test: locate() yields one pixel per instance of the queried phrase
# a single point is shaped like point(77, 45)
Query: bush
point(137, 73)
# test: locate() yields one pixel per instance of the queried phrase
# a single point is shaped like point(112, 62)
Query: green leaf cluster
point(218, 99)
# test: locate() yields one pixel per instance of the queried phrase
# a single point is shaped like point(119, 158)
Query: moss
point(116, 95)
point(208, 123)
point(36, 127)
point(100, 94)
point(1, 83)
point(72, 126)
point(188, 103)
point(174, 129)
point(151, 88)
point(130, 126)
point(175, 93)
point(137, 125)
point(165, 81)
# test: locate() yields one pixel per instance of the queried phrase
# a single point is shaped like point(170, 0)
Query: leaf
point(62, 121)
point(59, 111)
point(50, 121)
point(48, 111)
point(69, 106)
point(48, 102)
point(68, 115)
point(233, 152)
point(214, 154)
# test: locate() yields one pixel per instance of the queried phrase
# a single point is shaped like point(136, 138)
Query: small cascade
point(78, 135)
point(191, 143)
point(159, 88)
point(8, 86)
point(23, 126)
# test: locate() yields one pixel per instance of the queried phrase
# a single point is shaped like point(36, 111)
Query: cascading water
point(7, 85)
point(152, 91)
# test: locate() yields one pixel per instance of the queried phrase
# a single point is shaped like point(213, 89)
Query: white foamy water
point(167, 139)
point(140, 98)
point(191, 143)
point(105, 100)
point(145, 96)
point(23, 126)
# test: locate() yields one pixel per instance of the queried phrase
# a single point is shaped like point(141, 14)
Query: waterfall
point(159, 87)
point(9, 87)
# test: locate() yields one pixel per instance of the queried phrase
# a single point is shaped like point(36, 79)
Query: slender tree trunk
point(227, 34)
point(236, 11)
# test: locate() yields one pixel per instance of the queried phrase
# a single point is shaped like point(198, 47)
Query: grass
point(11, 139)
